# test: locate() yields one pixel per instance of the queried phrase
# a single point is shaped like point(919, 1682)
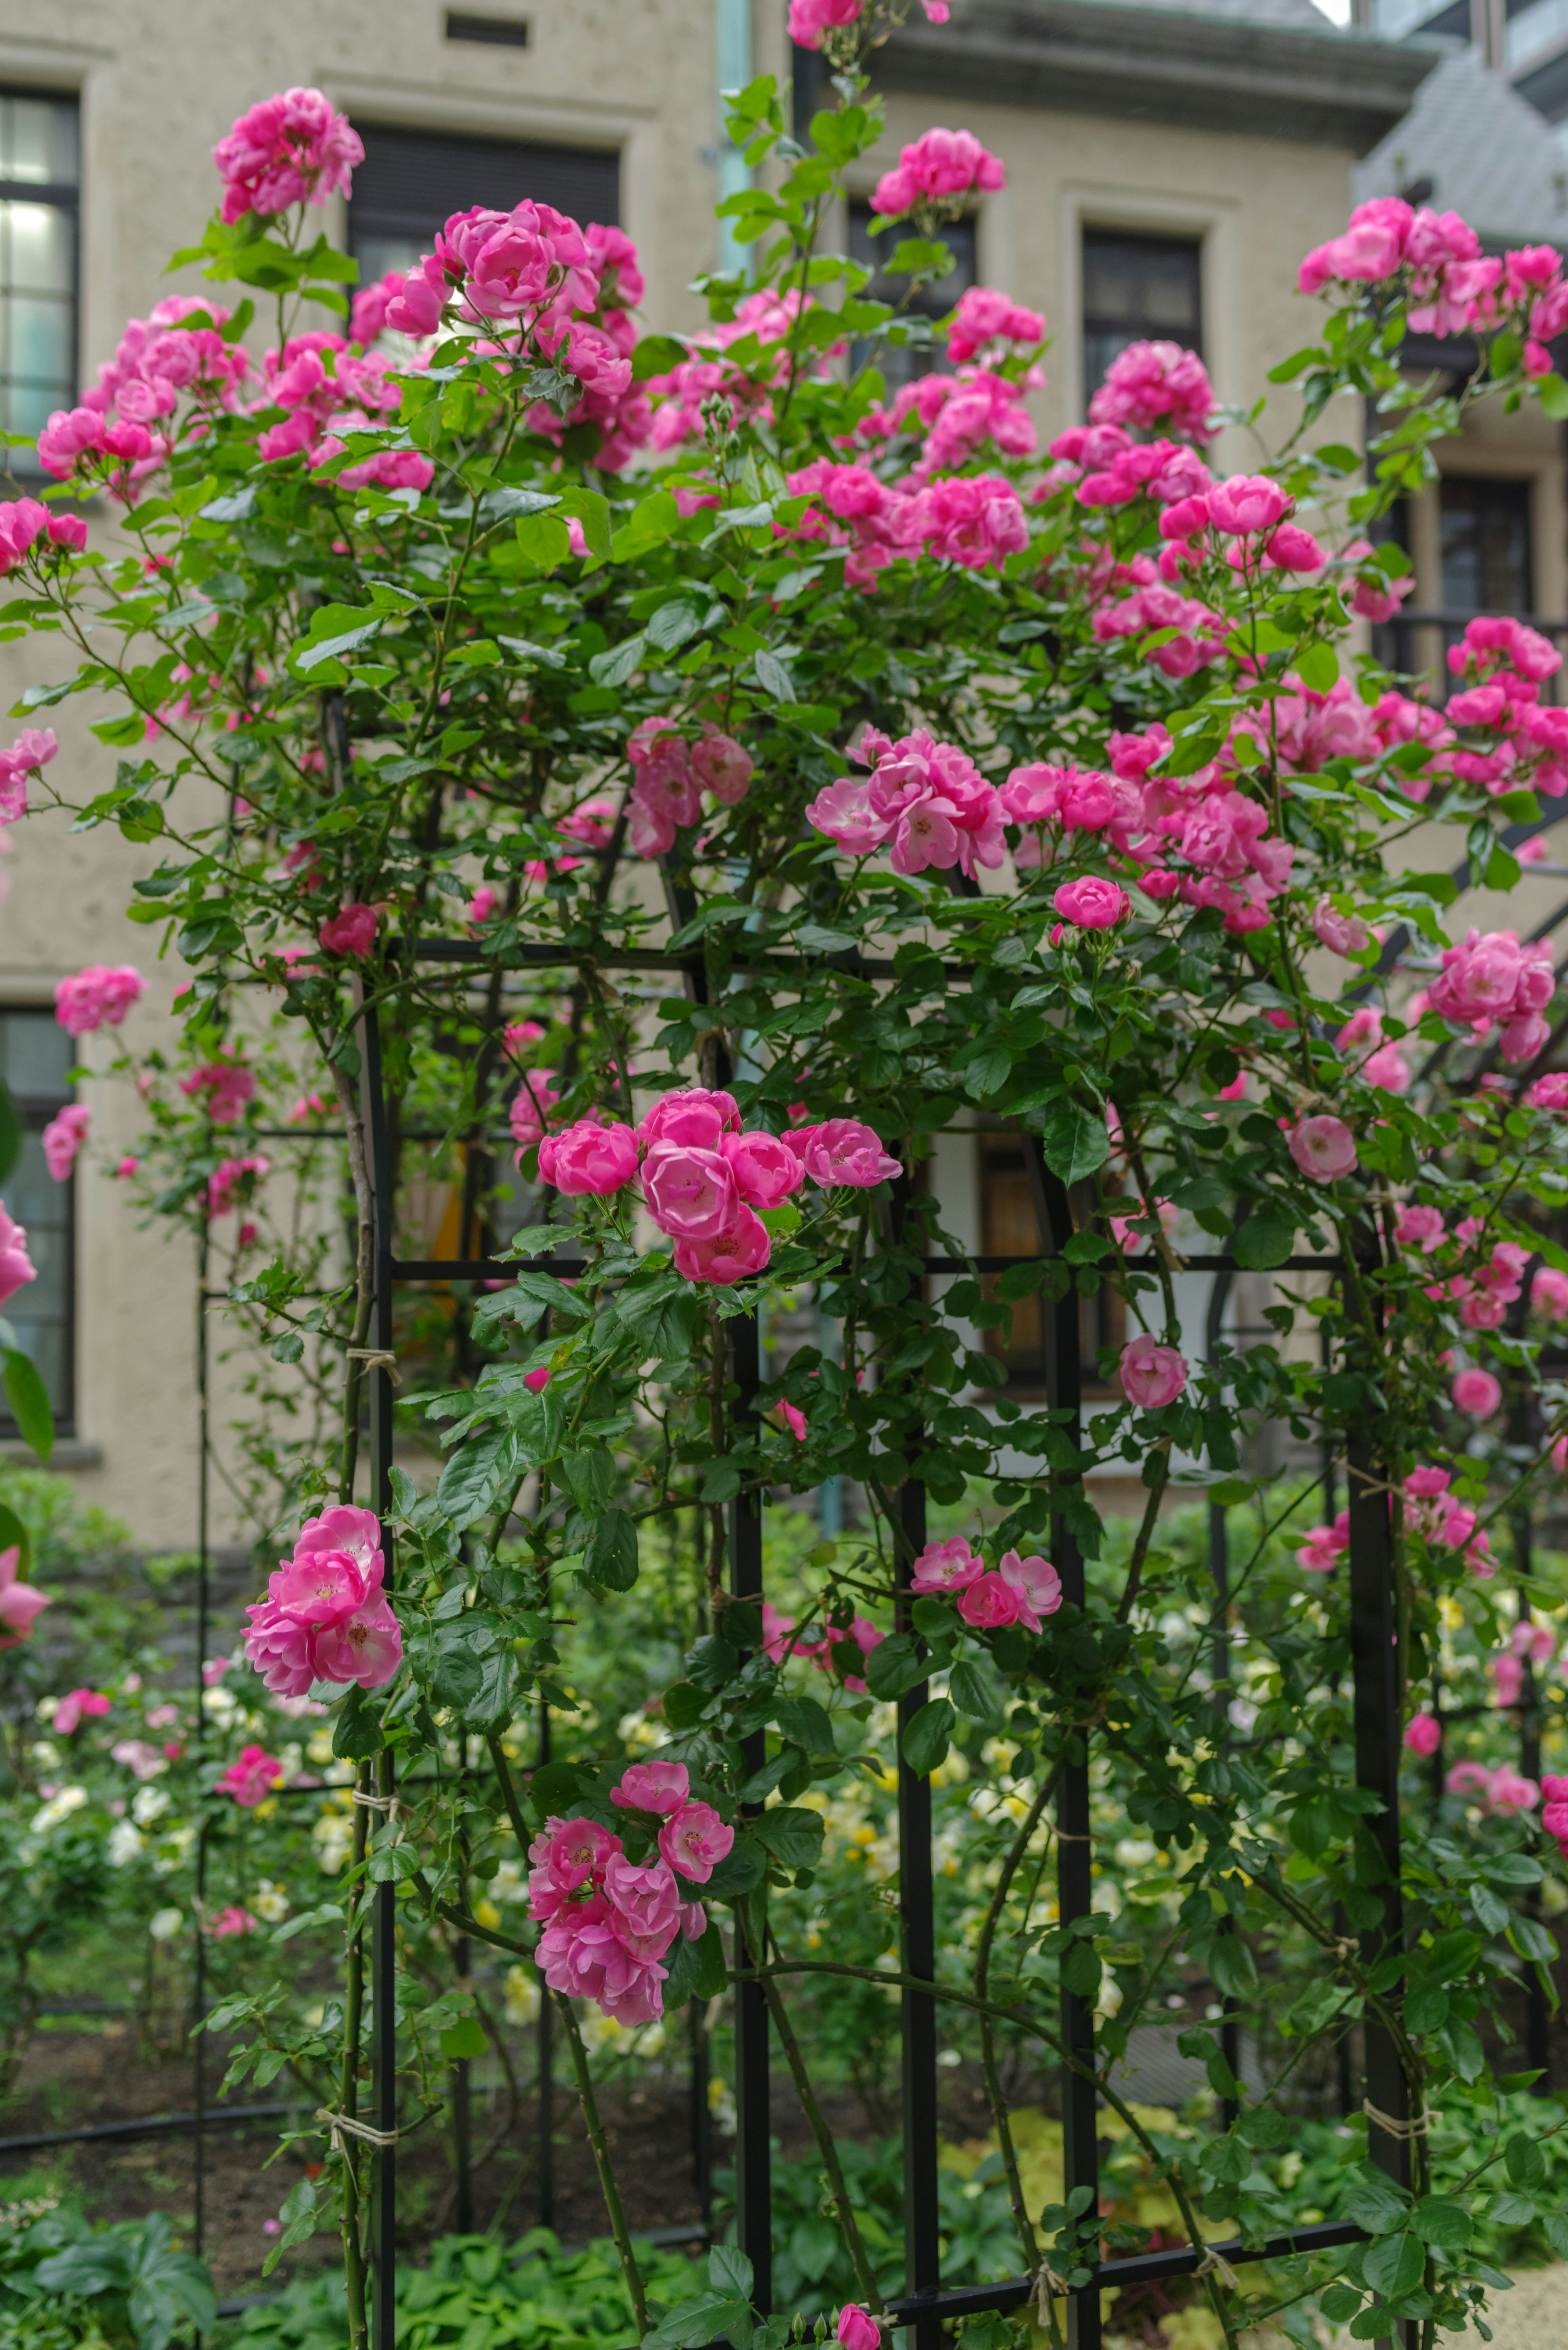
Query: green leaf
point(774, 677)
point(729, 2270)
point(1318, 667)
point(967, 1688)
point(651, 522)
point(893, 1668)
point(1231, 1966)
point(461, 2041)
point(656, 355)
point(793, 1836)
point(544, 539)
point(1438, 2220)
point(611, 1557)
point(1076, 1141)
point(13, 1535)
point(928, 1737)
point(1552, 393)
point(614, 668)
point(356, 1733)
point(695, 2323)
point(1264, 1241)
point(472, 1478)
point(29, 1401)
point(1525, 2163)
point(806, 1721)
point(336, 630)
point(1395, 2264)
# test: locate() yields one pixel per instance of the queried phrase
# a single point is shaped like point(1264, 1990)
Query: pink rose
point(588, 1159)
point(1152, 1375)
point(1420, 1228)
point(723, 767)
point(945, 1567)
point(1549, 1293)
point(1476, 1393)
point(694, 1116)
point(990, 1602)
point(63, 1138)
point(1037, 1583)
point(695, 1841)
point(1247, 502)
point(351, 932)
point(1423, 1733)
point(336, 1565)
point(765, 1170)
point(660, 1788)
point(742, 1249)
point(529, 1113)
point(690, 1191)
point(843, 1151)
point(1346, 934)
point(1549, 1093)
point(72, 1707)
point(1323, 1147)
point(16, 1266)
point(856, 2329)
point(1092, 904)
point(252, 1779)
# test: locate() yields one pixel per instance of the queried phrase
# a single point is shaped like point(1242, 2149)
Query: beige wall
point(160, 80)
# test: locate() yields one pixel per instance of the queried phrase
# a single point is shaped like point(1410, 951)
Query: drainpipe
point(732, 57)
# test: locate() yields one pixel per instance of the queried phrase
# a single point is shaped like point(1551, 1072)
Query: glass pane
point(1135, 289)
point(26, 408)
point(35, 1057)
point(37, 247)
point(1486, 545)
point(39, 140)
point(39, 340)
point(376, 255)
point(899, 366)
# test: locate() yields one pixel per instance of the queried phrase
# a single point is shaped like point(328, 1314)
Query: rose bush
point(482, 663)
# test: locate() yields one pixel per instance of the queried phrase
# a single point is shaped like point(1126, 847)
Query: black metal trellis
point(925, 2308)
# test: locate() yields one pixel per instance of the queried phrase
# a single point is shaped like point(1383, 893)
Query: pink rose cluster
point(1249, 512)
point(1555, 1809)
point(1443, 1523)
point(16, 1266)
point(1504, 665)
point(1495, 982)
point(608, 1923)
point(227, 1177)
point(1017, 1591)
point(119, 431)
point(1154, 385)
point(809, 19)
point(99, 995)
point(669, 774)
point(1382, 1065)
point(291, 149)
point(351, 931)
point(1500, 1790)
point(762, 323)
point(926, 801)
point(974, 520)
point(1485, 1293)
point(326, 388)
point(1110, 468)
point(599, 353)
point(326, 1617)
point(935, 175)
point(1452, 287)
point(33, 749)
point(63, 1138)
point(841, 1646)
point(959, 413)
point(23, 522)
point(1325, 1547)
point(704, 1181)
point(228, 1085)
point(985, 318)
point(74, 1708)
point(252, 1779)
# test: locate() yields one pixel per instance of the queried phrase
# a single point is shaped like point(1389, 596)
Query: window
point(1009, 1227)
point(1486, 545)
point(1137, 289)
point(35, 1058)
point(38, 193)
point(901, 365)
point(411, 181)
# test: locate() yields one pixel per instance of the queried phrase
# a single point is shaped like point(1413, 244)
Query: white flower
point(219, 1702)
point(165, 1924)
point(332, 1837)
point(45, 1708)
point(147, 1804)
point(125, 1843)
point(507, 1884)
point(174, 1847)
point(46, 1756)
point(320, 1746)
point(270, 1902)
point(58, 1807)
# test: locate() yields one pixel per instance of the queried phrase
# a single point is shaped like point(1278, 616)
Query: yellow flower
point(486, 1914)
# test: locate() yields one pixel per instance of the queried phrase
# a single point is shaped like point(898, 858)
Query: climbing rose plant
point(471, 652)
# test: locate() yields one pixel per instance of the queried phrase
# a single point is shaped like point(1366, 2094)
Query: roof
point(1488, 155)
point(1265, 68)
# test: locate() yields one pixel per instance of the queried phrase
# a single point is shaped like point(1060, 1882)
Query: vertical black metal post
point(1220, 1667)
point(462, 2088)
point(384, 1925)
point(544, 2101)
point(754, 2149)
point(1075, 1866)
point(918, 1957)
point(1537, 2013)
point(1376, 1667)
point(199, 1740)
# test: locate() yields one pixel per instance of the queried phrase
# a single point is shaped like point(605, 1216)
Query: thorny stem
point(607, 2187)
point(348, 2097)
point(825, 2146)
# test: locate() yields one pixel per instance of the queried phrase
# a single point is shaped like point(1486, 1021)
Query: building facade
point(1166, 170)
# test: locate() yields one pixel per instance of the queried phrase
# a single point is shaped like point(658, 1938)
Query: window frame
point(1090, 325)
point(366, 218)
point(35, 1111)
point(64, 197)
point(918, 359)
point(1102, 1319)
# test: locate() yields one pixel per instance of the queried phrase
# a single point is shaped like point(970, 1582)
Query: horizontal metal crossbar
point(1138, 2268)
point(154, 2126)
point(500, 1268)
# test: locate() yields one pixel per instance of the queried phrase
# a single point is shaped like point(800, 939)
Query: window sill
point(69, 1452)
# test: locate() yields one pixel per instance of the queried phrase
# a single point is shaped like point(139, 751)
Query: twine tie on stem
point(376, 1358)
point(344, 2126)
point(1416, 2127)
